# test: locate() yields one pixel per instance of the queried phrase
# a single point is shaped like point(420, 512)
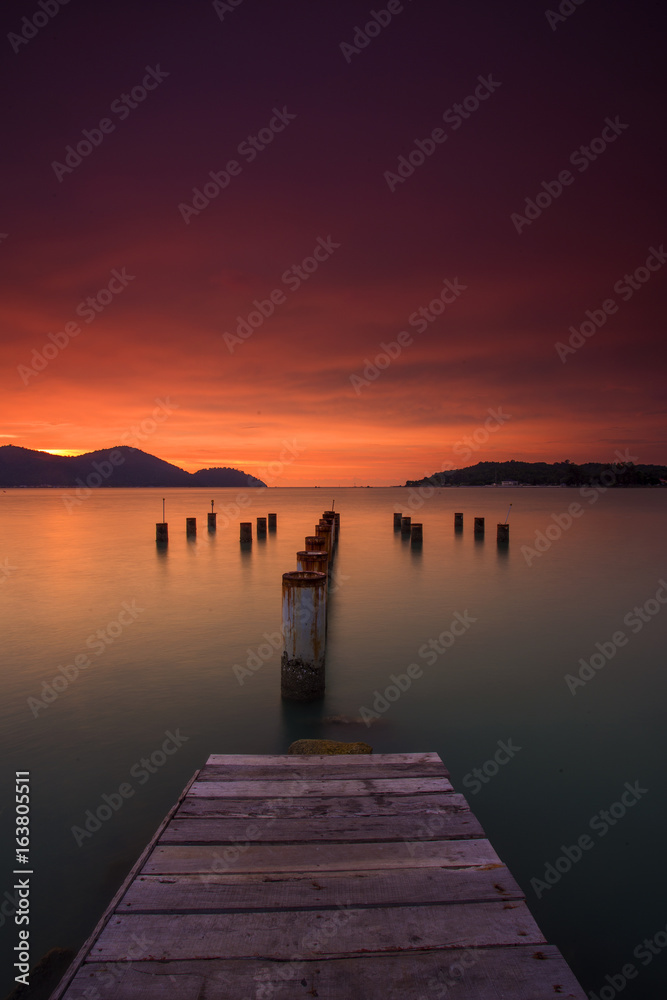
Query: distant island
point(565, 473)
point(121, 466)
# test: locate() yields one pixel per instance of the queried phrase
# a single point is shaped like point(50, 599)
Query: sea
point(540, 681)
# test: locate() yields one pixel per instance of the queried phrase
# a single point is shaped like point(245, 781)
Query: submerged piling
point(416, 534)
point(212, 521)
point(503, 533)
point(261, 527)
point(191, 526)
point(397, 520)
point(479, 526)
point(313, 543)
point(304, 631)
point(458, 520)
point(406, 525)
point(246, 531)
point(273, 522)
point(162, 532)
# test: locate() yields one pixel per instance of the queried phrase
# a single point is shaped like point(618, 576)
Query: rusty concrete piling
point(304, 631)
point(458, 521)
point(416, 533)
point(312, 562)
point(406, 525)
point(323, 535)
point(313, 543)
point(397, 520)
point(261, 527)
point(503, 535)
point(337, 524)
point(479, 526)
point(273, 522)
point(191, 526)
point(212, 521)
point(162, 532)
point(246, 531)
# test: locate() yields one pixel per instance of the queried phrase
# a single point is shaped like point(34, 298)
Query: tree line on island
point(564, 473)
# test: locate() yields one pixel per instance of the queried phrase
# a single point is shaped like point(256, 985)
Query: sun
point(67, 452)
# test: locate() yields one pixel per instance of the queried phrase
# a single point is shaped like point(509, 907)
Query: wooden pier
point(342, 877)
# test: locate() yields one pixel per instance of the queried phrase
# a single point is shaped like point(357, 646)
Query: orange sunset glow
point(327, 293)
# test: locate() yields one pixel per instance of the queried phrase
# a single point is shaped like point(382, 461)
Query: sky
point(350, 243)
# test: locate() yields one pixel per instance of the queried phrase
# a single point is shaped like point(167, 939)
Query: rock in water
point(327, 747)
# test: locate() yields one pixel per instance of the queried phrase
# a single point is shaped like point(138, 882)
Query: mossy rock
point(327, 747)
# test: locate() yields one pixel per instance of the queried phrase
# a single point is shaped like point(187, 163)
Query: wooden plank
point(341, 933)
point(178, 859)
point(419, 806)
point(307, 890)
point(319, 761)
point(299, 788)
point(519, 973)
point(444, 824)
point(355, 766)
point(108, 913)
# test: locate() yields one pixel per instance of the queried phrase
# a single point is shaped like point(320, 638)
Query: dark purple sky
point(170, 333)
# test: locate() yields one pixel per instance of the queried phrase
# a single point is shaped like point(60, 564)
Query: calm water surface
point(200, 607)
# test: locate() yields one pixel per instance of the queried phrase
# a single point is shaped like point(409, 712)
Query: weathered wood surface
point(339, 877)
point(307, 890)
point(298, 788)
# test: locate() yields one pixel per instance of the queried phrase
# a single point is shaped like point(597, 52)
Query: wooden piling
point(212, 521)
point(406, 525)
point(458, 520)
point(479, 526)
point(261, 527)
point(162, 532)
point(273, 522)
point(503, 535)
point(397, 520)
point(416, 534)
point(191, 526)
point(246, 531)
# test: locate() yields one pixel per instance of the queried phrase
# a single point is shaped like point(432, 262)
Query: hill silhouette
point(121, 466)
